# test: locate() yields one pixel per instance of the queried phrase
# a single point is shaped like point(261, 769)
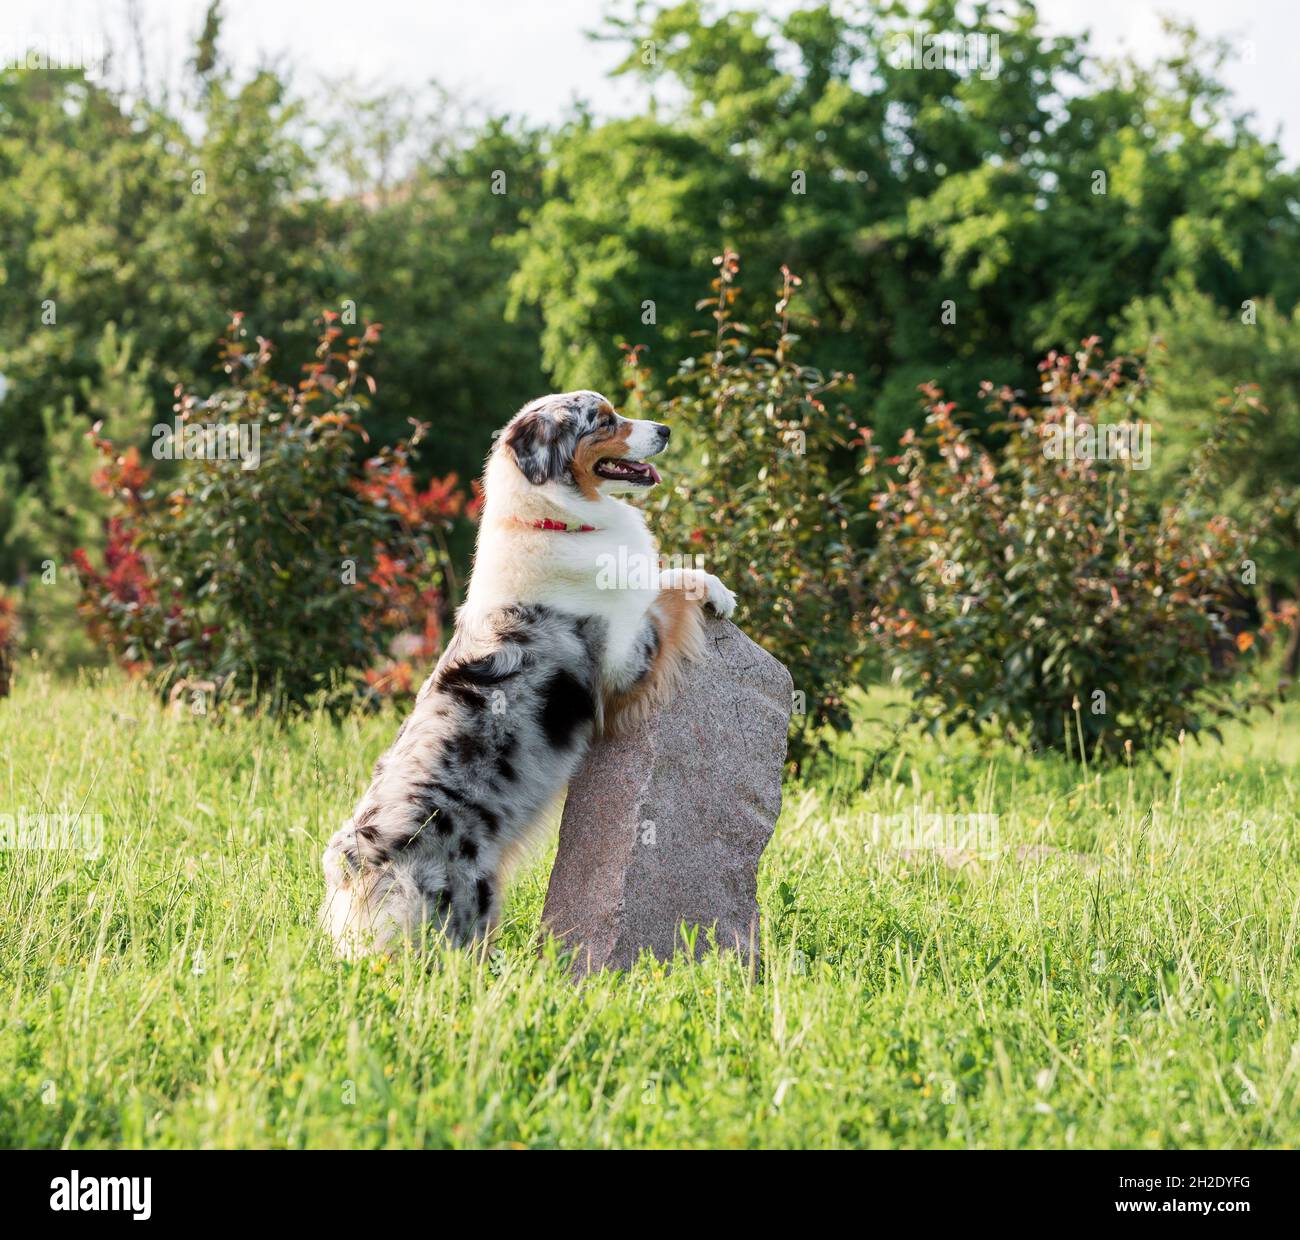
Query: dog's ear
point(535, 439)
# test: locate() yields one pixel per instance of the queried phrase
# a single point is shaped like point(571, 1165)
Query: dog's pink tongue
point(654, 473)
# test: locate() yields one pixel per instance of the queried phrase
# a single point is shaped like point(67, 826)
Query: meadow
point(1120, 970)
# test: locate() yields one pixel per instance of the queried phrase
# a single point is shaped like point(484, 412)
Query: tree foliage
point(163, 222)
point(1199, 357)
point(900, 192)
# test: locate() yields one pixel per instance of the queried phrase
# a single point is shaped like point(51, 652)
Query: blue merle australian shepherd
point(547, 651)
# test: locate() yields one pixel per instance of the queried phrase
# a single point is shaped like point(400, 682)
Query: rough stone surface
point(664, 827)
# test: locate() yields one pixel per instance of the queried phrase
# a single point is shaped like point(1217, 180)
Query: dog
point(545, 655)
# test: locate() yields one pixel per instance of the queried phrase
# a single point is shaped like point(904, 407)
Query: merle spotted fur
point(543, 444)
point(495, 735)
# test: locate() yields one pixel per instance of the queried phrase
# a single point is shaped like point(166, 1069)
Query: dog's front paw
point(722, 600)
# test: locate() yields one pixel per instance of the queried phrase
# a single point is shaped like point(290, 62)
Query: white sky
point(531, 57)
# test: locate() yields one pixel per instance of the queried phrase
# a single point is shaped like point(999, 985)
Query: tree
point(1198, 357)
point(428, 261)
point(117, 215)
point(165, 222)
point(953, 219)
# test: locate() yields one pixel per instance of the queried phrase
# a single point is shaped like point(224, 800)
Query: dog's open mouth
point(621, 469)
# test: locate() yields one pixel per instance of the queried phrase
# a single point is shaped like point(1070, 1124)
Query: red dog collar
point(548, 524)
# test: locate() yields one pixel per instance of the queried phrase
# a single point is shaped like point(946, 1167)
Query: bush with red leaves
point(261, 553)
point(8, 640)
point(1032, 593)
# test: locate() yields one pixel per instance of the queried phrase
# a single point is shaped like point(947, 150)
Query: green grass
point(1137, 988)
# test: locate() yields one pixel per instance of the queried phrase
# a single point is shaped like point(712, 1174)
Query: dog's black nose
point(664, 432)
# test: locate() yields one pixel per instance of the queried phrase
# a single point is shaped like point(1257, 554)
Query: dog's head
point(576, 439)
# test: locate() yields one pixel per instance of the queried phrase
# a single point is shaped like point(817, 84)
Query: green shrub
point(1034, 595)
point(754, 499)
point(269, 558)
